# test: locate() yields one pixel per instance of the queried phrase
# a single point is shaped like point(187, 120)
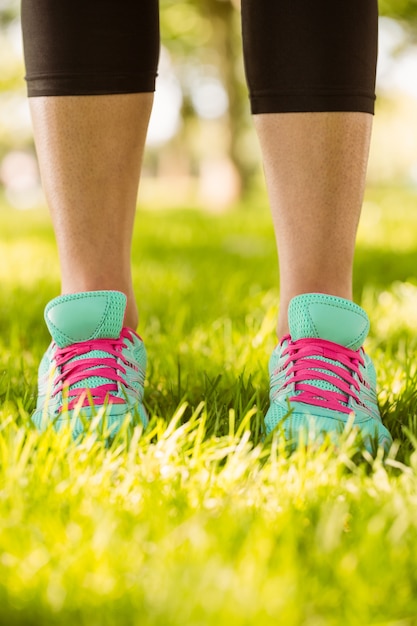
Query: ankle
point(131, 317)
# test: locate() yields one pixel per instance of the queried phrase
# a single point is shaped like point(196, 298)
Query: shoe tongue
point(316, 315)
point(83, 316)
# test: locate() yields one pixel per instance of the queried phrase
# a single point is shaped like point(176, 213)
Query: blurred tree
point(226, 39)
point(209, 32)
point(400, 9)
point(9, 10)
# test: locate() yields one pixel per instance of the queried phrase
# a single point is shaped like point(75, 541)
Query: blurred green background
point(202, 149)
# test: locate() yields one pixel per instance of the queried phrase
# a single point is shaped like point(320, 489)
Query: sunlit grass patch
point(198, 520)
point(393, 310)
point(174, 527)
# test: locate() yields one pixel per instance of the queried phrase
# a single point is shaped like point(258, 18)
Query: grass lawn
point(196, 521)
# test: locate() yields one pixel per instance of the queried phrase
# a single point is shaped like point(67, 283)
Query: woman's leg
point(315, 166)
point(311, 73)
point(90, 151)
point(91, 71)
point(312, 87)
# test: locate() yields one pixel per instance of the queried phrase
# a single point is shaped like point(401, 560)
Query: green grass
point(195, 521)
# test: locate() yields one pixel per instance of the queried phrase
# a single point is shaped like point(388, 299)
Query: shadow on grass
point(380, 268)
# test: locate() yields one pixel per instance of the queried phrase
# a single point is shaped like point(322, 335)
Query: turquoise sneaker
point(92, 361)
point(320, 374)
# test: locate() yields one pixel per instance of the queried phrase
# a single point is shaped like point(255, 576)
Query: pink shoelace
point(307, 368)
point(110, 367)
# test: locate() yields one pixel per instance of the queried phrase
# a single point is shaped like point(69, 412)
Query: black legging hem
point(299, 55)
point(89, 85)
point(311, 103)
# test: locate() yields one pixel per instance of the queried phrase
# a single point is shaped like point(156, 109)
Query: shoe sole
point(302, 428)
point(79, 424)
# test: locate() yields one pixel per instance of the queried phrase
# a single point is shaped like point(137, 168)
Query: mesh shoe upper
point(91, 361)
point(320, 374)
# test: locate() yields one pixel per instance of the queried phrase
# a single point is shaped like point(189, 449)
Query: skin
point(90, 151)
point(315, 167)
